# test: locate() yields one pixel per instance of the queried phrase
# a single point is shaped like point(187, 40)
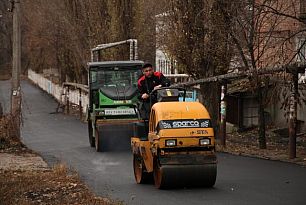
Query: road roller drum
point(113, 136)
point(174, 176)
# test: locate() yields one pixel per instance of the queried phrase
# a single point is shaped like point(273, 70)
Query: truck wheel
point(141, 176)
point(98, 143)
point(90, 134)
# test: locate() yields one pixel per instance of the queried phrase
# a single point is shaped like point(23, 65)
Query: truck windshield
point(116, 77)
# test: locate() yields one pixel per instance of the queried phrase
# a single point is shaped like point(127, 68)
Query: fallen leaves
point(45, 187)
point(246, 144)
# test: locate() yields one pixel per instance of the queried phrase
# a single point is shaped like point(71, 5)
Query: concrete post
point(223, 115)
point(15, 93)
point(293, 116)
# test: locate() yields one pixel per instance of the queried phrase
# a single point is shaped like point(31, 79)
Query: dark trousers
point(144, 110)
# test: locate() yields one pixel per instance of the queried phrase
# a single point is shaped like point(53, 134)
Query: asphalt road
point(240, 180)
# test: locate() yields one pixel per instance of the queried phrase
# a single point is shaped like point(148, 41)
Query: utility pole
point(15, 94)
point(293, 115)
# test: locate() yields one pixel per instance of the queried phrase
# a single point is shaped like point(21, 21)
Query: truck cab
point(113, 88)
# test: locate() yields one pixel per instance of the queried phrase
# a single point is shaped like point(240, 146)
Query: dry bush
point(9, 139)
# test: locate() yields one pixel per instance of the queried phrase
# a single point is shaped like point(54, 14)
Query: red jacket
point(146, 85)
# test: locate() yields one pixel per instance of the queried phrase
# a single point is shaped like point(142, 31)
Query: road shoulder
point(25, 178)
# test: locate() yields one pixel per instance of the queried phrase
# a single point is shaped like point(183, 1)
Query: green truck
point(112, 103)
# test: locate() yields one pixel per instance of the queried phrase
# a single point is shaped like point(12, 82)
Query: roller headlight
point(204, 141)
point(170, 143)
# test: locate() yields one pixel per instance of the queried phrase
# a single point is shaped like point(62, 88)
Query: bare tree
point(60, 34)
point(195, 35)
point(5, 36)
point(263, 35)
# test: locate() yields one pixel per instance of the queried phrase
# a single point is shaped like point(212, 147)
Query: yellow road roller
point(176, 146)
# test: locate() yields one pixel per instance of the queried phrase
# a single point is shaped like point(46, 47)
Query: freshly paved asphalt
point(240, 180)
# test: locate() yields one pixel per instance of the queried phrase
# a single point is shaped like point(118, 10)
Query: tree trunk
point(211, 100)
point(1, 111)
point(261, 120)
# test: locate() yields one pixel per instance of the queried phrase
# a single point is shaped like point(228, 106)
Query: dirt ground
point(246, 144)
point(25, 179)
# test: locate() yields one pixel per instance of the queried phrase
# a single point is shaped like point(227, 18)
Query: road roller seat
point(167, 95)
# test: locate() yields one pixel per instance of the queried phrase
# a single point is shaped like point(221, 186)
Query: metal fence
point(67, 93)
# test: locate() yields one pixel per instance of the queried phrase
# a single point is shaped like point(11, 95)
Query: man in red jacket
point(146, 84)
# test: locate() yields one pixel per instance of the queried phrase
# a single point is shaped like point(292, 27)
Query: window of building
point(301, 49)
point(302, 9)
point(301, 56)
